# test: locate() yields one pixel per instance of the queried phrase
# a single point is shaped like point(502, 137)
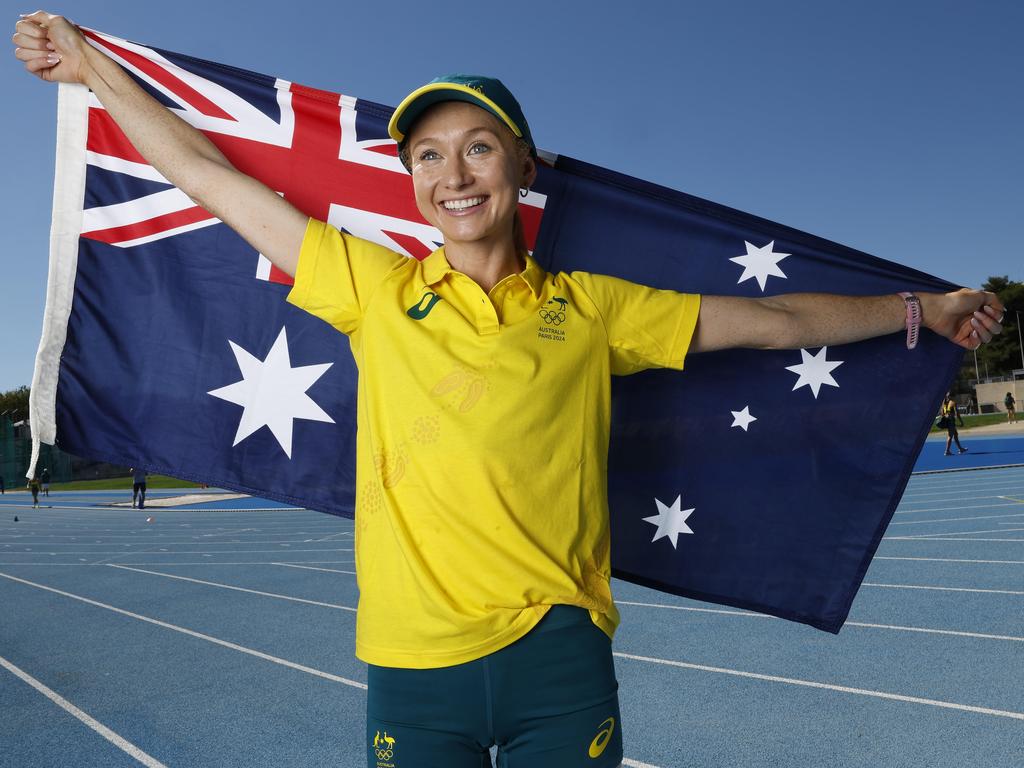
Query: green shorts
point(549, 700)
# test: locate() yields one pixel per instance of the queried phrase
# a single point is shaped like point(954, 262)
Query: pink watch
point(913, 318)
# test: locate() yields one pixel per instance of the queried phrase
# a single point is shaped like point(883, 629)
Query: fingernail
point(53, 59)
point(974, 322)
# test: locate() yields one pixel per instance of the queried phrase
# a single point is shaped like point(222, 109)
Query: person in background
point(1011, 408)
point(951, 415)
point(44, 478)
point(33, 485)
point(138, 487)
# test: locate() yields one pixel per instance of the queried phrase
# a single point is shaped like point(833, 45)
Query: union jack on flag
point(160, 322)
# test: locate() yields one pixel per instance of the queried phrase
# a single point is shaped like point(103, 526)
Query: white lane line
point(963, 533)
point(932, 538)
point(192, 633)
point(160, 510)
point(334, 535)
point(825, 686)
point(956, 493)
point(745, 614)
point(309, 568)
point(957, 519)
point(236, 589)
point(148, 542)
point(950, 560)
point(862, 624)
point(121, 743)
point(49, 563)
point(636, 763)
point(129, 552)
point(954, 509)
point(944, 589)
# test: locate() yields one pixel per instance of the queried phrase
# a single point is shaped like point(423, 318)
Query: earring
point(524, 191)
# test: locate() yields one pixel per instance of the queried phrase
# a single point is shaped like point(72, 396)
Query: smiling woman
point(483, 538)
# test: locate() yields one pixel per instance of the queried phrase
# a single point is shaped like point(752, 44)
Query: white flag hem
point(68, 196)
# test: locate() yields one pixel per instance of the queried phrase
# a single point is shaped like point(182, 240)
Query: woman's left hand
point(966, 317)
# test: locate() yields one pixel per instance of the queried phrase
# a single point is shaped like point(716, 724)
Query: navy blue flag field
point(762, 480)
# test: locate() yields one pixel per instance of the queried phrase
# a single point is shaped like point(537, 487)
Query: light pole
point(1020, 339)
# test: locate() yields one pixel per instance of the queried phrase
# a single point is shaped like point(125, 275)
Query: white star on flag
point(742, 418)
point(272, 393)
point(671, 521)
point(760, 263)
point(815, 370)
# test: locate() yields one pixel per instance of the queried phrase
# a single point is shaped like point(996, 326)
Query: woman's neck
point(486, 264)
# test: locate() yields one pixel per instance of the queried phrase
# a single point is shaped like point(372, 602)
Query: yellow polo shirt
point(482, 447)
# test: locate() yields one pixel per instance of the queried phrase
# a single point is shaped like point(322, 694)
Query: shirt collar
point(436, 266)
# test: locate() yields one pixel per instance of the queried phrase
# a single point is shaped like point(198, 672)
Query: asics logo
point(419, 310)
point(604, 735)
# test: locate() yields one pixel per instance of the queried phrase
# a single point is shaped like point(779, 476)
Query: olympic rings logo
point(384, 754)
point(552, 318)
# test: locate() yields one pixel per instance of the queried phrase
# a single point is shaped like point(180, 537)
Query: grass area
point(122, 483)
point(982, 420)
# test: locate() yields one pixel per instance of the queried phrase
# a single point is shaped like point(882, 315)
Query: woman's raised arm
point(55, 50)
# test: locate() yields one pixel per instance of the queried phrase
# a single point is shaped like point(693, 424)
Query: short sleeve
point(337, 274)
point(646, 327)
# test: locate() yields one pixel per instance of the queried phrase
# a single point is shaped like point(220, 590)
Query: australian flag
point(762, 480)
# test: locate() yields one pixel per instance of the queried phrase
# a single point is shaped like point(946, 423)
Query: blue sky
point(892, 127)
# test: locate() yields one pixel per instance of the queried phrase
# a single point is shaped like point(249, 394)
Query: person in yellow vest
point(482, 533)
point(951, 415)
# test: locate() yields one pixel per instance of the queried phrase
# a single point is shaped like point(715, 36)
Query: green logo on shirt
point(419, 310)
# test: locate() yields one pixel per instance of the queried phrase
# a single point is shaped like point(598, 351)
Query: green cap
point(485, 92)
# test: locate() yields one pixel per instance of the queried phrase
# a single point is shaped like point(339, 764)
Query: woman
point(1011, 408)
point(485, 609)
point(951, 415)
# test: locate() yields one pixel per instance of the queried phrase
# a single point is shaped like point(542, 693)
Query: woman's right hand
point(52, 47)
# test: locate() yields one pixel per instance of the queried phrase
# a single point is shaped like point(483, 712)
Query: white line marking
point(236, 589)
point(825, 686)
point(308, 568)
point(128, 552)
point(176, 564)
point(950, 560)
point(636, 763)
point(943, 589)
point(119, 742)
point(963, 533)
point(862, 624)
point(191, 633)
point(931, 538)
point(954, 509)
point(334, 535)
point(956, 519)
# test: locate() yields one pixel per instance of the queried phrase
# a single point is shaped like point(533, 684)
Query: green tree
point(15, 402)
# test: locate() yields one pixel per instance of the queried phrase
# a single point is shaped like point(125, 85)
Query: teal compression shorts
point(549, 700)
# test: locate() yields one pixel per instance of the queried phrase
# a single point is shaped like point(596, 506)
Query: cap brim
point(414, 105)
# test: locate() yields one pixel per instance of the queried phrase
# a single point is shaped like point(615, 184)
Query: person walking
point(44, 478)
point(139, 487)
point(1011, 408)
point(490, 628)
point(33, 485)
point(950, 415)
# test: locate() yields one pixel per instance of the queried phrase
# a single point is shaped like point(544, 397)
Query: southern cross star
point(272, 393)
point(671, 521)
point(761, 263)
point(742, 418)
point(815, 370)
